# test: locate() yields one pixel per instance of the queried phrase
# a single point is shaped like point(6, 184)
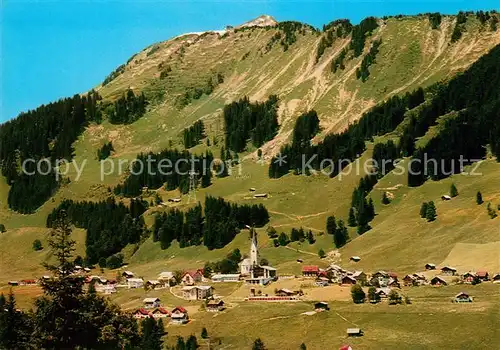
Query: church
point(250, 267)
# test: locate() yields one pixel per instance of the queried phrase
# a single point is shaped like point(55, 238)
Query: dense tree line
point(47, 132)
point(290, 29)
point(435, 20)
point(110, 225)
point(306, 127)
point(244, 120)
point(476, 95)
point(360, 33)
point(105, 151)
point(362, 210)
point(384, 156)
point(342, 148)
point(220, 224)
point(66, 317)
point(362, 72)
point(128, 108)
point(170, 167)
point(194, 134)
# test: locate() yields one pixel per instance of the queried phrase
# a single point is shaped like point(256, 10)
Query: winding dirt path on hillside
point(300, 251)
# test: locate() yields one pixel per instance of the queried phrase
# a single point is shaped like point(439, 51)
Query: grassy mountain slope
point(411, 55)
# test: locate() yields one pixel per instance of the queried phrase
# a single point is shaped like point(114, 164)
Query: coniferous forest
point(194, 134)
point(127, 109)
point(244, 121)
point(45, 132)
point(220, 224)
point(110, 225)
point(170, 167)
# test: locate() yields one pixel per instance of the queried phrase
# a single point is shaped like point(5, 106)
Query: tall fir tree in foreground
point(453, 191)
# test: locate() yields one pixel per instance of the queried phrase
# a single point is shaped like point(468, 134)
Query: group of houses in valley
point(177, 315)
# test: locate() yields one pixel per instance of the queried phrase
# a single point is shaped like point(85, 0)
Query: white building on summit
point(250, 267)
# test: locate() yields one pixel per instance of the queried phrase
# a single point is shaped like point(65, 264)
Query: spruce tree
point(479, 198)
point(258, 344)
point(321, 254)
point(372, 295)
point(431, 213)
point(331, 225)
point(351, 221)
point(453, 190)
point(303, 347)
point(15, 326)
point(423, 210)
point(204, 333)
point(341, 235)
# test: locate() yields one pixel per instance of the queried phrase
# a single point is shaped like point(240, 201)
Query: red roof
point(28, 281)
point(193, 273)
point(482, 273)
point(393, 274)
point(142, 311)
point(310, 268)
point(179, 308)
point(345, 347)
point(162, 311)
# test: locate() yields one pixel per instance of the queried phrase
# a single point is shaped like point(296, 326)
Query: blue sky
point(53, 49)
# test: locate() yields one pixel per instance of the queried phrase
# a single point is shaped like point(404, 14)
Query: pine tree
point(491, 211)
point(204, 333)
point(15, 328)
point(423, 210)
point(453, 190)
point(331, 225)
point(303, 347)
point(341, 235)
point(351, 221)
point(431, 213)
point(385, 199)
point(258, 345)
point(151, 334)
point(321, 254)
point(479, 198)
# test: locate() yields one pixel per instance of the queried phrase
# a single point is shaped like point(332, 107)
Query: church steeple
point(254, 251)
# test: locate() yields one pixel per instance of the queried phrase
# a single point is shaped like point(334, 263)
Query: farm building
point(462, 298)
point(151, 303)
point(496, 278)
point(430, 266)
point(179, 315)
point(230, 277)
point(215, 305)
point(438, 281)
point(260, 195)
point(483, 275)
point(355, 258)
point(285, 292)
point(192, 276)
point(468, 277)
point(310, 271)
point(409, 280)
point(105, 288)
point(86, 269)
point(345, 347)
point(13, 283)
point(197, 292)
point(321, 306)
point(348, 280)
point(383, 292)
point(448, 270)
point(160, 313)
point(354, 332)
point(127, 274)
point(135, 283)
point(174, 200)
point(141, 313)
point(445, 197)
point(154, 284)
point(359, 276)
